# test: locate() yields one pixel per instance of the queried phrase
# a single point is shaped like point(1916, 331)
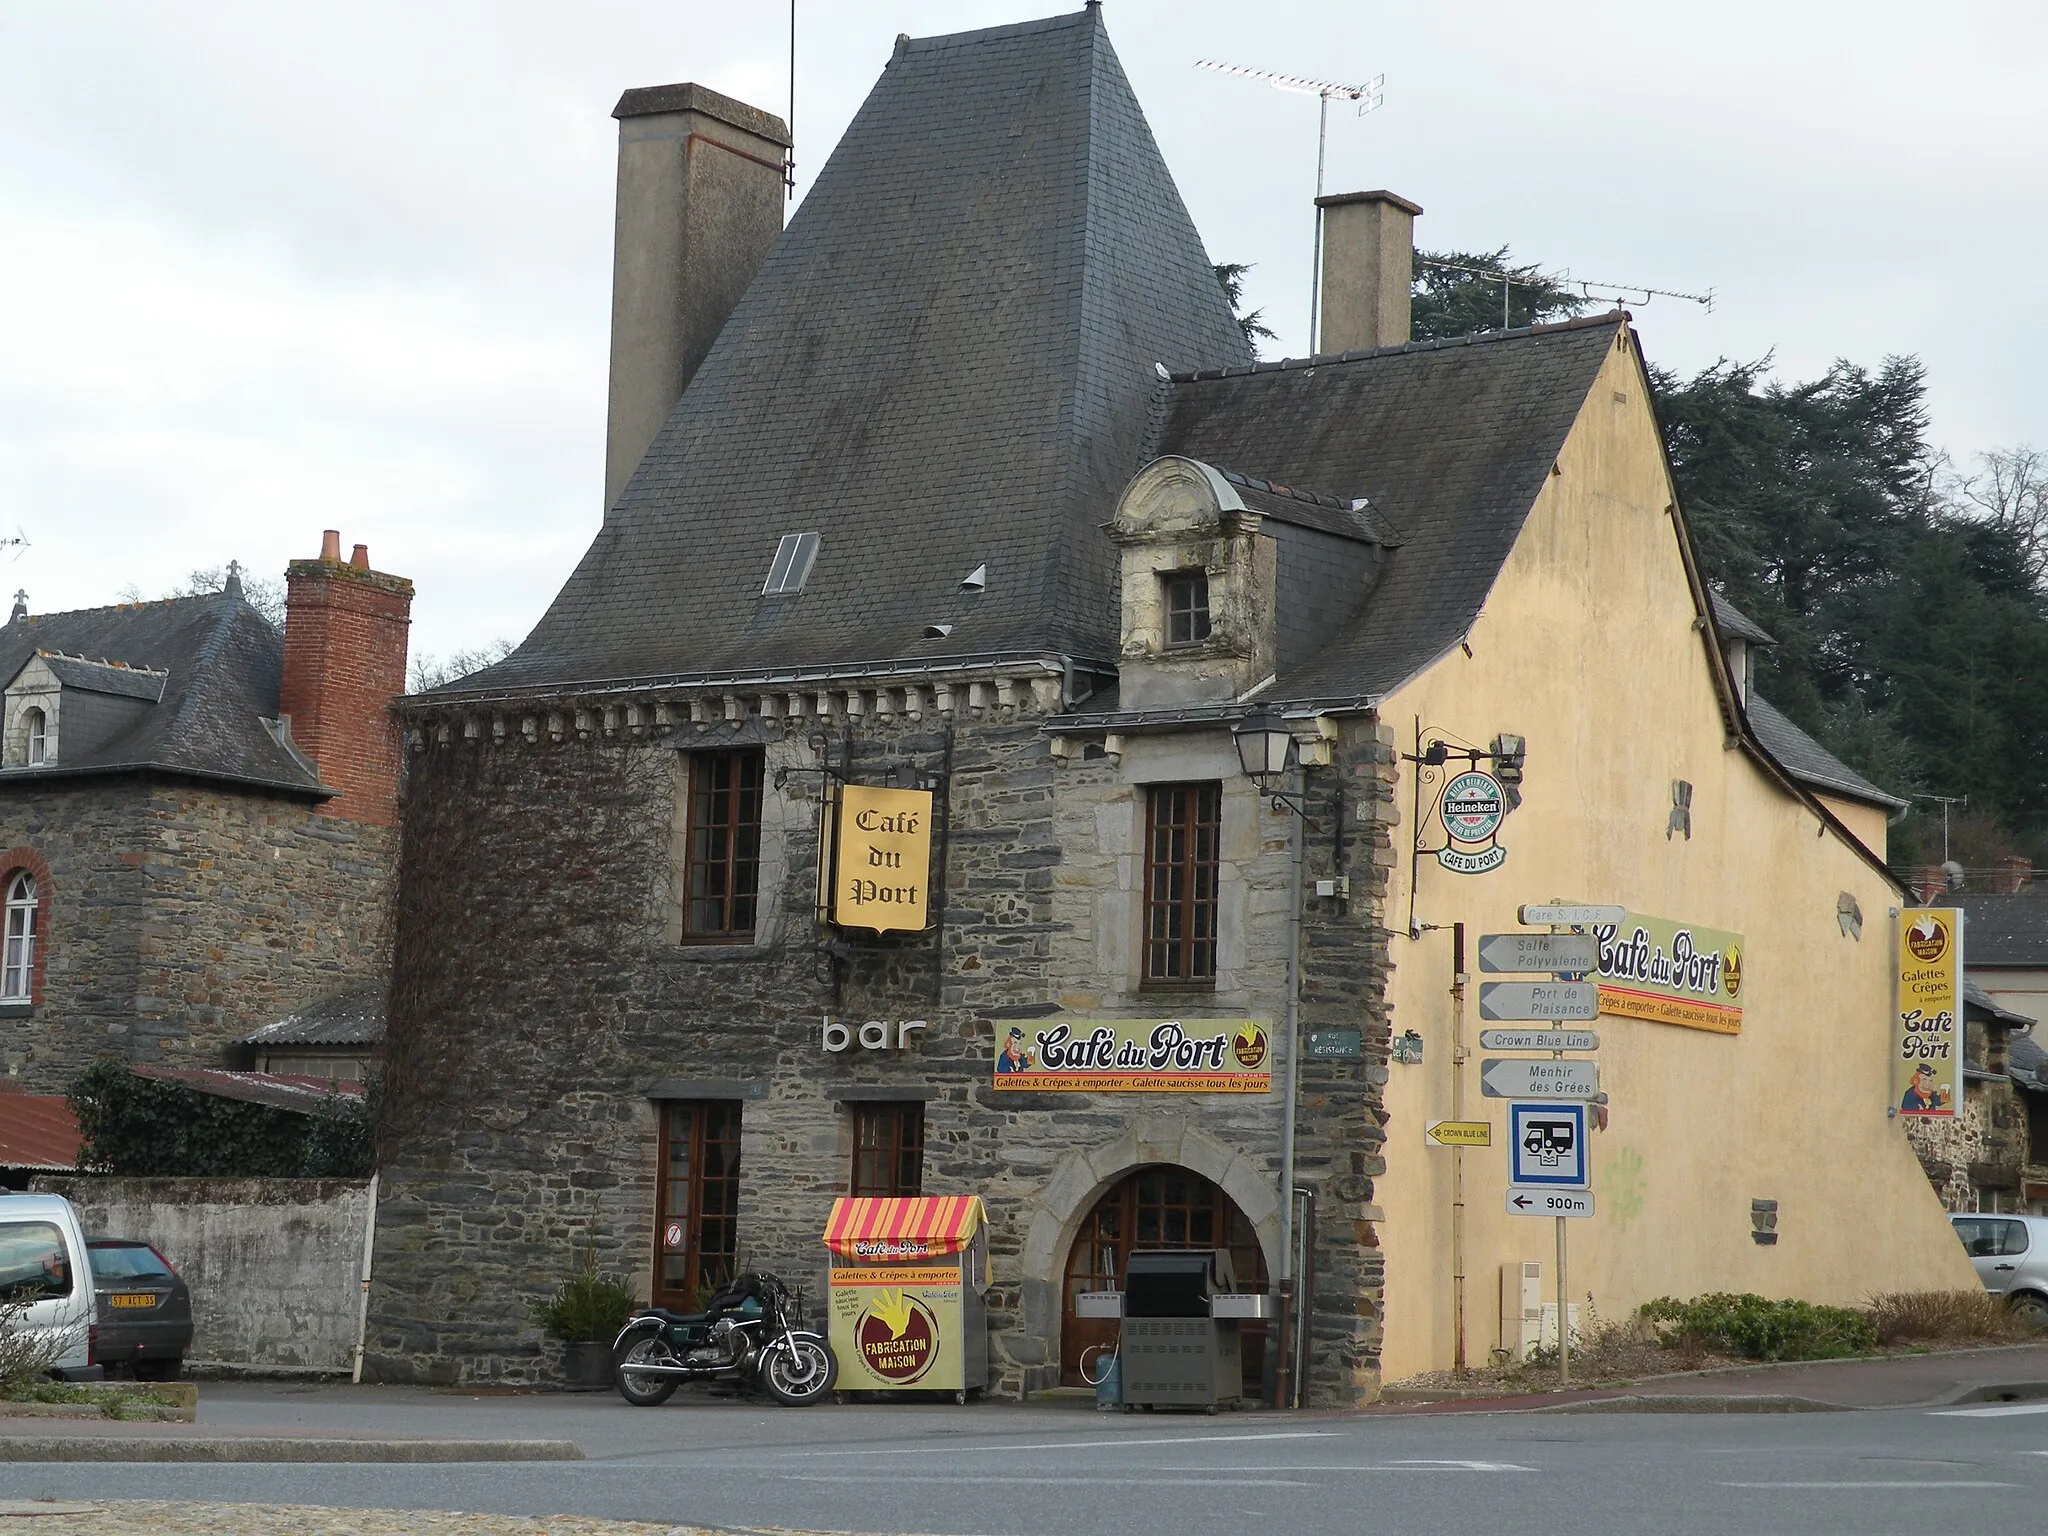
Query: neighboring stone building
point(979, 494)
point(200, 816)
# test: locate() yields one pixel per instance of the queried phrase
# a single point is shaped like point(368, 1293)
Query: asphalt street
point(1001, 1470)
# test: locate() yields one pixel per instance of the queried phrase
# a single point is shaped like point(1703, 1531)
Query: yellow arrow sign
point(1460, 1133)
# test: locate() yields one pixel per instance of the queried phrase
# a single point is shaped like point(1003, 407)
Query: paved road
point(996, 1470)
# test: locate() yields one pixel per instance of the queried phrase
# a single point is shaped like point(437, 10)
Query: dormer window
point(1187, 607)
point(36, 726)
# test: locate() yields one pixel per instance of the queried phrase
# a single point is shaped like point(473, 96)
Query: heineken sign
point(1473, 806)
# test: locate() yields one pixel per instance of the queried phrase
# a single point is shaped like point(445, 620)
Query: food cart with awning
point(908, 1273)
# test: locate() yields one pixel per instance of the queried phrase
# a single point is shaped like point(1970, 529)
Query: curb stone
point(252, 1449)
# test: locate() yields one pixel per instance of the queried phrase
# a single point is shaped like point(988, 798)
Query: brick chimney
point(2010, 873)
point(701, 195)
point(344, 662)
point(1368, 270)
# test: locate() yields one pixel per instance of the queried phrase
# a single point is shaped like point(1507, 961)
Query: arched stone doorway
point(1160, 1205)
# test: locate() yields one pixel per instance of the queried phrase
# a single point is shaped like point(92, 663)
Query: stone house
point(199, 814)
point(978, 494)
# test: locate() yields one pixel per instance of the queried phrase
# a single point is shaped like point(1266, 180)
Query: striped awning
point(880, 1229)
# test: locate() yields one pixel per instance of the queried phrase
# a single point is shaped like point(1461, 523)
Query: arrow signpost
point(1551, 1161)
point(1460, 1133)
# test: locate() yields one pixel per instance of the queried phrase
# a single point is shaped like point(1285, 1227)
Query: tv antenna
point(1619, 294)
point(1370, 97)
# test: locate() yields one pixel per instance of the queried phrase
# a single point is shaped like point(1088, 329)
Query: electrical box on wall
point(1521, 1309)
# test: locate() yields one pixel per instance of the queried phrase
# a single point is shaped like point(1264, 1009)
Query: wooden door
point(696, 1228)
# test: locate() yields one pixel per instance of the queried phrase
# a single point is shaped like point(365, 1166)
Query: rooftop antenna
point(1620, 294)
point(789, 159)
point(1369, 96)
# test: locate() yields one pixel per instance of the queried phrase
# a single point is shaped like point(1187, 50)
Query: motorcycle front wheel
point(644, 1391)
point(800, 1374)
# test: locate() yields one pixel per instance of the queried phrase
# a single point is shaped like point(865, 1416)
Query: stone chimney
point(701, 196)
point(344, 662)
point(1368, 268)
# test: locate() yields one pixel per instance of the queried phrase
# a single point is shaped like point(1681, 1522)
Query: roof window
point(976, 580)
point(794, 557)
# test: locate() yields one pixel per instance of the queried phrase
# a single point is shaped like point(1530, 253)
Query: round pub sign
point(1473, 806)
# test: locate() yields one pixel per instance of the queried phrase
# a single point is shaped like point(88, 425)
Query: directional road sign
point(1520, 1077)
point(1549, 1202)
point(1574, 953)
point(1565, 916)
point(1460, 1133)
point(1539, 1000)
point(1538, 1040)
point(1547, 1146)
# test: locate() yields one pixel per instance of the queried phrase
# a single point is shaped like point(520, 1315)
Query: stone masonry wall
point(182, 917)
point(539, 993)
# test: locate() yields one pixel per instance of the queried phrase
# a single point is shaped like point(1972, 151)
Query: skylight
point(794, 557)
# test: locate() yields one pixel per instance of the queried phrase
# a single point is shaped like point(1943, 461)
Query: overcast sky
point(272, 267)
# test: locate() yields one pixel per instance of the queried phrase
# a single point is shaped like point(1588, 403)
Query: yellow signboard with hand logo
point(1928, 1060)
point(883, 863)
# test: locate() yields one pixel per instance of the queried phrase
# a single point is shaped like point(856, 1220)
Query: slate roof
point(1810, 762)
point(948, 358)
point(1985, 1006)
point(221, 663)
point(2027, 1063)
point(105, 677)
point(1734, 624)
point(2005, 932)
point(1309, 509)
point(352, 1016)
point(1449, 441)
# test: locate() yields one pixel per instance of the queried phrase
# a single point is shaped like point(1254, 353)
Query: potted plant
point(586, 1312)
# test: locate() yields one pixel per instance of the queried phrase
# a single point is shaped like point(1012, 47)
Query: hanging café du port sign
point(881, 859)
point(1473, 806)
point(1134, 1056)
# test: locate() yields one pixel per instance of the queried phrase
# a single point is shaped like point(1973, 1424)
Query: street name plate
point(1549, 1202)
point(1337, 1043)
point(1538, 1040)
point(1554, 952)
point(1460, 1133)
point(1564, 1000)
point(1572, 916)
point(1519, 1077)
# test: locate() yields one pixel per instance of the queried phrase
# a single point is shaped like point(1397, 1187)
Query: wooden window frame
point(35, 736)
point(705, 1268)
point(1194, 583)
point(888, 1148)
point(1178, 946)
point(722, 847)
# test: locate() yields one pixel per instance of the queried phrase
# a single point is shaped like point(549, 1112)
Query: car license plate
point(131, 1301)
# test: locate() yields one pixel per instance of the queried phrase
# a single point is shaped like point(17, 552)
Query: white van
point(43, 1261)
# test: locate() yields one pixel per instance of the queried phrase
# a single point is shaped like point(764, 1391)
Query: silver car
point(2010, 1255)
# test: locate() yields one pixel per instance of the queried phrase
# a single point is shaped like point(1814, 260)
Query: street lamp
point(1265, 751)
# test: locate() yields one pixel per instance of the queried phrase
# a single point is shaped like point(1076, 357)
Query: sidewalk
point(2009, 1373)
point(42, 1439)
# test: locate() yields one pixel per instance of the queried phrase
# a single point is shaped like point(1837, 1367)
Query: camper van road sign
point(1547, 1146)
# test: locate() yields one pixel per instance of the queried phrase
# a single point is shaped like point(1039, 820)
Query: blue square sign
point(1547, 1146)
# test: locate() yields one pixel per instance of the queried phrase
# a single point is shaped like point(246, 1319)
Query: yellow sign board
point(1671, 972)
point(1928, 1059)
point(897, 1327)
point(1460, 1133)
point(1135, 1056)
point(884, 858)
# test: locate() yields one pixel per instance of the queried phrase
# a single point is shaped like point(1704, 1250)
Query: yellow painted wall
point(1588, 647)
point(1870, 823)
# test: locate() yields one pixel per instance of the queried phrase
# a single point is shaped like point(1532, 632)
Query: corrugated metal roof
point(37, 1131)
point(353, 1016)
point(274, 1089)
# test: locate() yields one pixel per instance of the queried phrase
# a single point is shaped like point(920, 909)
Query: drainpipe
point(363, 1302)
point(1458, 1058)
point(1283, 1385)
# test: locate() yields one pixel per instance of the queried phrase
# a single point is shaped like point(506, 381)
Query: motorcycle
point(752, 1333)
